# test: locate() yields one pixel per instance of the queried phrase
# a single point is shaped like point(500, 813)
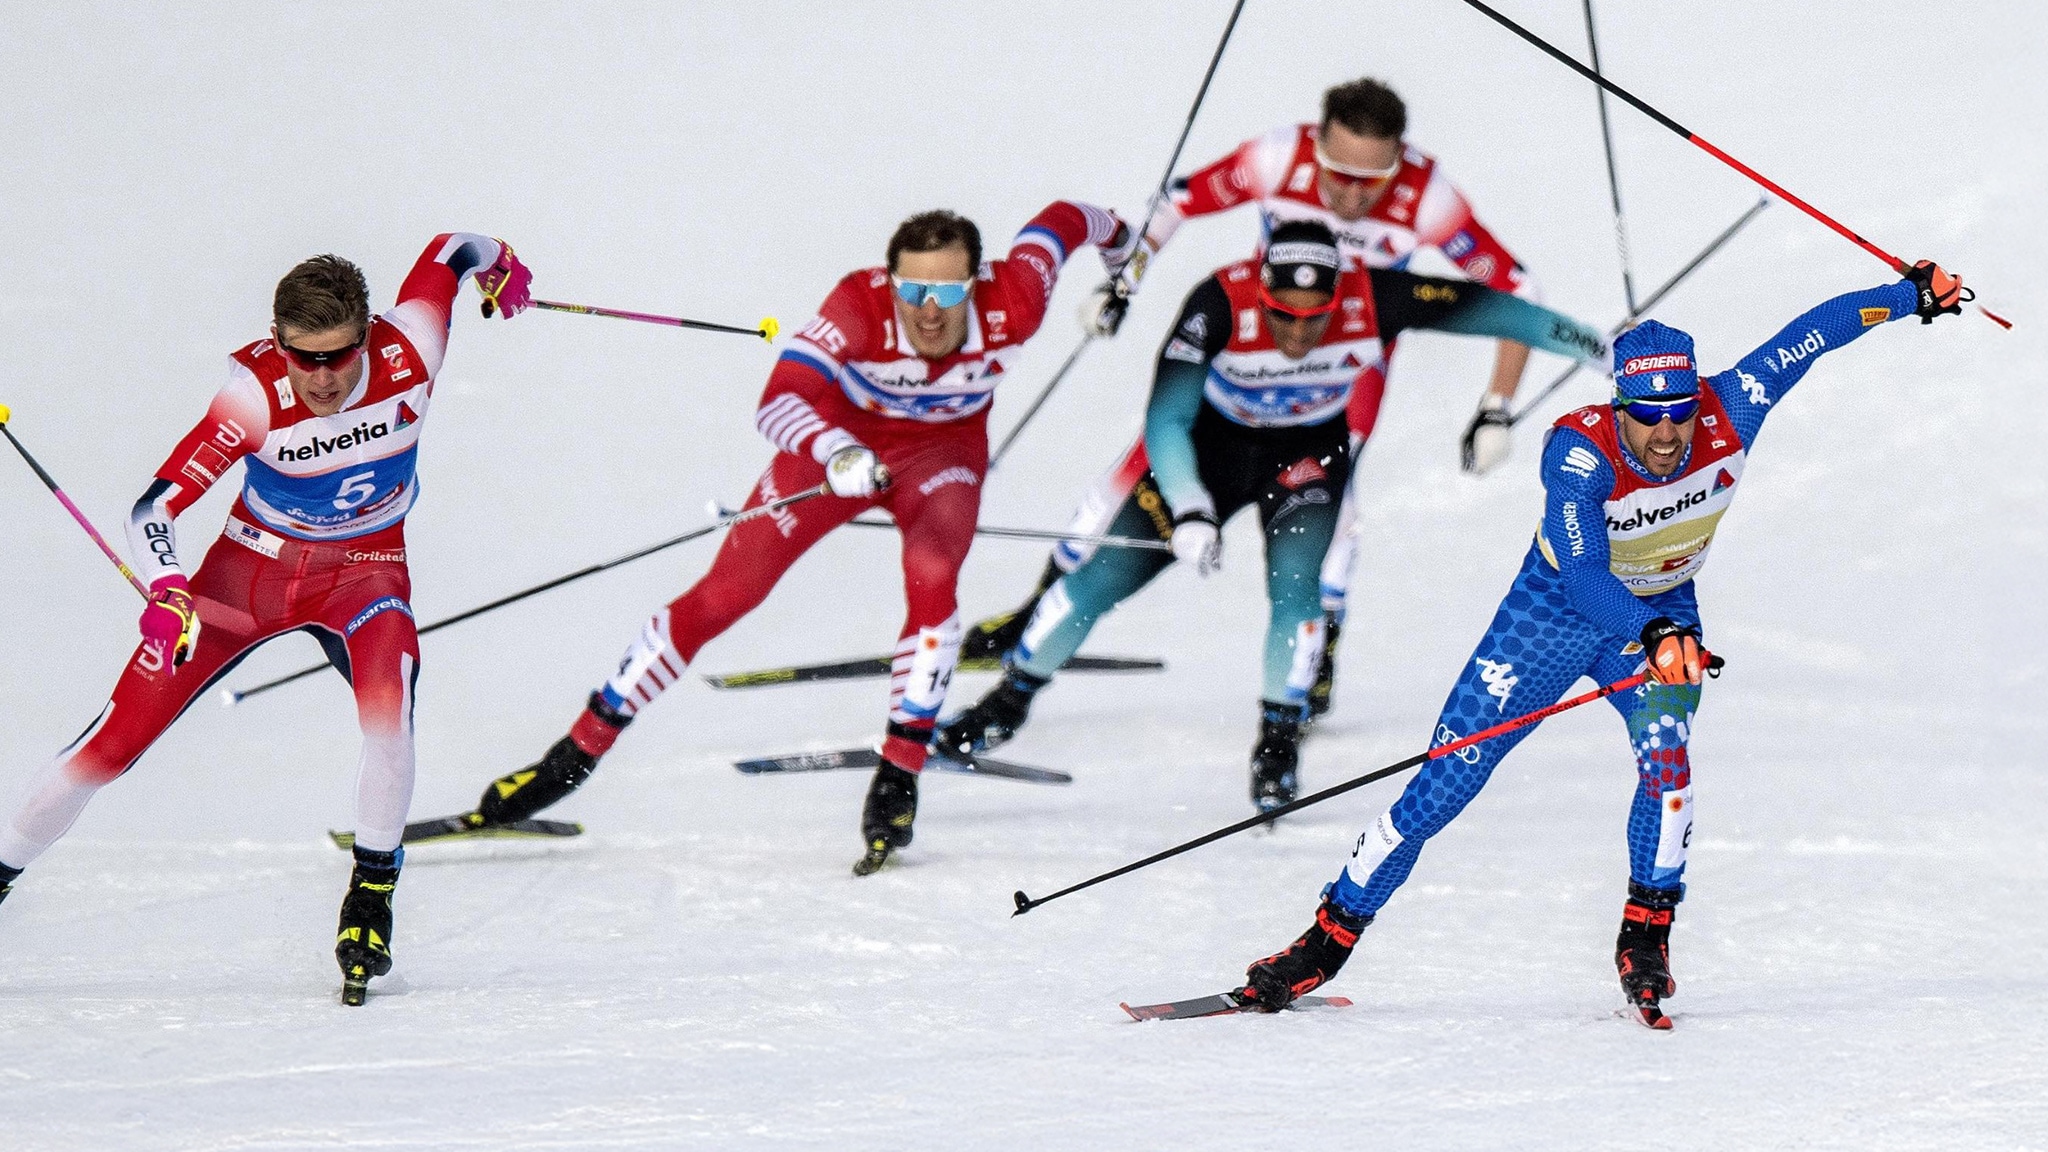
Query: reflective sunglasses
point(336, 359)
point(1649, 412)
point(1351, 175)
point(946, 293)
point(1298, 315)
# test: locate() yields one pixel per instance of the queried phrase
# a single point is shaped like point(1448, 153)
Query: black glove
point(1940, 294)
point(1485, 443)
point(1673, 650)
point(1103, 312)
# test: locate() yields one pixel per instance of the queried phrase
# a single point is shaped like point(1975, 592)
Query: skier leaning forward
point(884, 397)
point(1634, 490)
point(1248, 408)
point(327, 414)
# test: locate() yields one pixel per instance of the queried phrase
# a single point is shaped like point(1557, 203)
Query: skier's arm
point(1762, 378)
point(1026, 277)
point(1405, 300)
point(1576, 481)
point(1250, 173)
point(1202, 331)
point(426, 300)
point(234, 426)
point(803, 389)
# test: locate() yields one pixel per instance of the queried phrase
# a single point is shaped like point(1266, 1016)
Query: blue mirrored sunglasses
point(1678, 409)
point(946, 293)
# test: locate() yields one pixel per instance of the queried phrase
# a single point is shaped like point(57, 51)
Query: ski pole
point(1138, 256)
point(134, 581)
point(1025, 903)
point(1635, 313)
point(1135, 542)
point(766, 330)
point(231, 698)
point(1897, 265)
point(1628, 280)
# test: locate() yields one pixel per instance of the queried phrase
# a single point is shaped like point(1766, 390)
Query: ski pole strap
point(766, 330)
point(134, 581)
point(1025, 903)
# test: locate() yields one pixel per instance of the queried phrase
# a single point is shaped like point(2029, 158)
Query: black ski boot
point(363, 945)
point(1326, 672)
point(989, 639)
point(1277, 756)
point(1305, 965)
point(7, 878)
point(887, 817)
point(1642, 953)
point(993, 719)
point(517, 796)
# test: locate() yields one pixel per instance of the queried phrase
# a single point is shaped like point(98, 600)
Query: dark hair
point(322, 293)
point(1368, 108)
point(931, 231)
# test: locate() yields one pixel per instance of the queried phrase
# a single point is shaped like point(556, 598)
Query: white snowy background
point(1861, 957)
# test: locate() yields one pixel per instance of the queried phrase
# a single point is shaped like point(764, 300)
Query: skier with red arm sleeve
point(325, 413)
point(884, 397)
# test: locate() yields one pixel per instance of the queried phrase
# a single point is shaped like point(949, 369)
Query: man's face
point(934, 332)
point(322, 388)
point(1297, 335)
point(1661, 446)
point(1352, 196)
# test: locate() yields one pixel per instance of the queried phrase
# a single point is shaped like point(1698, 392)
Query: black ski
point(471, 826)
point(878, 666)
point(1221, 1004)
point(869, 758)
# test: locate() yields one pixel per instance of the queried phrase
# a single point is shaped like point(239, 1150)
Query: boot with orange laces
point(1305, 965)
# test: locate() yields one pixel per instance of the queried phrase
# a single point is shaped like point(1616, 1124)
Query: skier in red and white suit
point(1385, 200)
point(884, 397)
point(326, 413)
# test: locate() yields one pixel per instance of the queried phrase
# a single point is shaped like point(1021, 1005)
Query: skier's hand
point(507, 286)
point(1673, 651)
point(1116, 255)
point(854, 472)
point(1486, 442)
point(1103, 312)
point(1196, 541)
point(1940, 293)
point(171, 621)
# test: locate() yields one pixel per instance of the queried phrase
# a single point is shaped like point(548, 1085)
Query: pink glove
point(172, 619)
point(507, 286)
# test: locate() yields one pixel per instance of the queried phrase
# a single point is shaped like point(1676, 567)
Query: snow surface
point(1861, 960)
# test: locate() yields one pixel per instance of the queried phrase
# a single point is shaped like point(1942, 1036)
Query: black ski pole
point(1639, 310)
point(1136, 542)
point(1025, 903)
point(1628, 280)
point(231, 698)
point(1165, 181)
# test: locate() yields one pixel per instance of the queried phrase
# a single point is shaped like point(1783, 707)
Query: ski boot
point(1276, 757)
point(1642, 953)
point(517, 796)
point(7, 878)
point(363, 945)
point(993, 719)
point(1305, 965)
point(887, 816)
point(990, 639)
point(1326, 672)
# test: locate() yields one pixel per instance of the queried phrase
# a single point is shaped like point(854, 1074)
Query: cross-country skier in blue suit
point(1634, 490)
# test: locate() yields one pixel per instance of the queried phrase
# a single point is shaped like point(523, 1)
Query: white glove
point(1196, 541)
point(853, 472)
point(1487, 439)
point(1116, 254)
point(1103, 312)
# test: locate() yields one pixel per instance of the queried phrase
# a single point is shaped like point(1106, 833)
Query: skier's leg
point(753, 556)
point(937, 528)
point(374, 619)
point(1361, 415)
point(147, 698)
point(1298, 512)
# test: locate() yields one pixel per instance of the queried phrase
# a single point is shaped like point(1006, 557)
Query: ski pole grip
point(1024, 903)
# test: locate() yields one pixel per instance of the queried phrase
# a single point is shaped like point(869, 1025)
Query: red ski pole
point(1025, 903)
point(5, 415)
point(1897, 265)
point(766, 330)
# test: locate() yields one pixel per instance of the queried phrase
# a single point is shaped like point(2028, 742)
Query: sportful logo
point(1814, 342)
point(361, 434)
point(1580, 461)
point(1499, 678)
